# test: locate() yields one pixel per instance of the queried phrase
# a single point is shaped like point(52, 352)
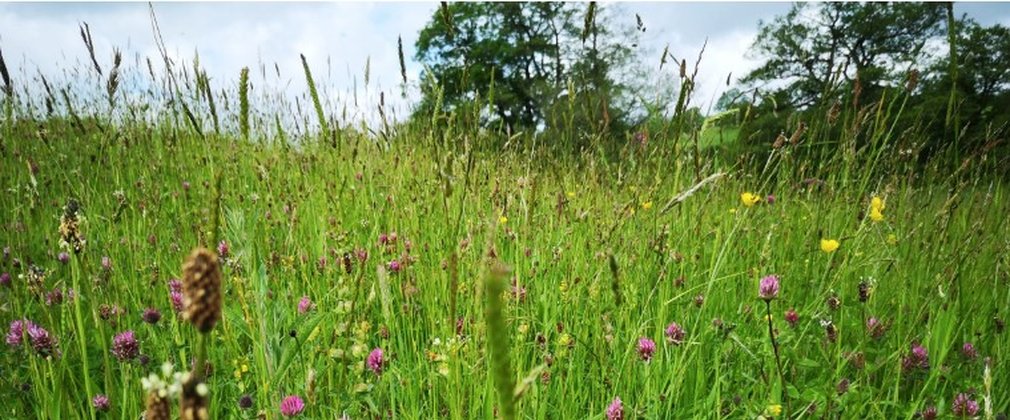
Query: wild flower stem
point(778, 360)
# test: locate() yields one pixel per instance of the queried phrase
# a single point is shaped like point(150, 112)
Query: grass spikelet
point(243, 103)
point(615, 285)
point(6, 76)
point(315, 98)
point(498, 340)
point(112, 85)
point(89, 43)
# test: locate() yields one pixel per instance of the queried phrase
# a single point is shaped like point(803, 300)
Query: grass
point(595, 264)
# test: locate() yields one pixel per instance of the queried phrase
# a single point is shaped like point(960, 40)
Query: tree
point(813, 49)
point(518, 61)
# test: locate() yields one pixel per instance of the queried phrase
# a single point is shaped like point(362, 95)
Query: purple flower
point(5, 279)
point(43, 343)
point(875, 328)
point(175, 285)
point(125, 346)
point(616, 410)
point(918, 357)
point(176, 298)
point(151, 316)
point(769, 288)
point(674, 334)
point(792, 317)
point(17, 331)
point(222, 249)
point(929, 413)
point(645, 348)
point(304, 305)
point(361, 254)
point(245, 402)
point(968, 351)
point(63, 258)
point(292, 406)
point(54, 297)
point(770, 199)
point(394, 266)
point(375, 361)
point(964, 406)
point(100, 402)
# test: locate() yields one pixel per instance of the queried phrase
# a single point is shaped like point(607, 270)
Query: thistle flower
point(100, 402)
point(292, 406)
point(202, 289)
point(769, 288)
point(151, 316)
point(375, 361)
point(245, 402)
point(749, 199)
point(829, 245)
point(394, 266)
point(792, 317)
point(43, 343)
point(674, 334)
point(616, 410)
point(304, 305)
point(5, 279)
point(646, 347)
point(125, 346)
point(964, 406)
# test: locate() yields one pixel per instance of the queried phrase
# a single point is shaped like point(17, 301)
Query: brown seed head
point(202, 289)
point(157, 407)
point(193, 403)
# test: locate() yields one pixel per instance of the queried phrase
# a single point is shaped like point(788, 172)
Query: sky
point(339, 38)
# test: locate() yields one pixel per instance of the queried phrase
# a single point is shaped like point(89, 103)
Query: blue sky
point(338, 38)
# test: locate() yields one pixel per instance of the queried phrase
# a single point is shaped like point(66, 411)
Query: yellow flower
point(503, 220)
point(829, 245)
point(876, 209)
point(877, 203)
point(732, 210)
point(571, 194)
point(876, 215)
point(774, 410)
point(647, 205)
point(749, 199)
point(892, 239)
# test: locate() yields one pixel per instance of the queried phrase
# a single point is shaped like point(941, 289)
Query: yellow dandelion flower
point(503, 220)
point(749, 199)
point(877, 203)
point(646, 205)
point(829, 245)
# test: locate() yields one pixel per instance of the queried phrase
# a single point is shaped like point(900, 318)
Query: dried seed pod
point(202, 289)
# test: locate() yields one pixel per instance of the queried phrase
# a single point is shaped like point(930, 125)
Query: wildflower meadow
point(175, 246)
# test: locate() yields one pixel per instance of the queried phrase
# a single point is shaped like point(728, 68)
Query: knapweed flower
point(245, 402)
point(615, 411)
point(292, 406)
point(374, 361)
point(829, 245)
point(646, 347)
point(304, 305)
point(100, 402)
point(964, 406)
point(125, 346)
point(151, 316)
point(43, 343)
point(749, 199)
point(674, 334)
point(792, 317)
point(769, 287)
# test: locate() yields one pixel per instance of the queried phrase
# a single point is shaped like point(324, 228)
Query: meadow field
point(188, 252)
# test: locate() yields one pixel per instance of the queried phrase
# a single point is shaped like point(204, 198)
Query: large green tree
point(516, 62)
